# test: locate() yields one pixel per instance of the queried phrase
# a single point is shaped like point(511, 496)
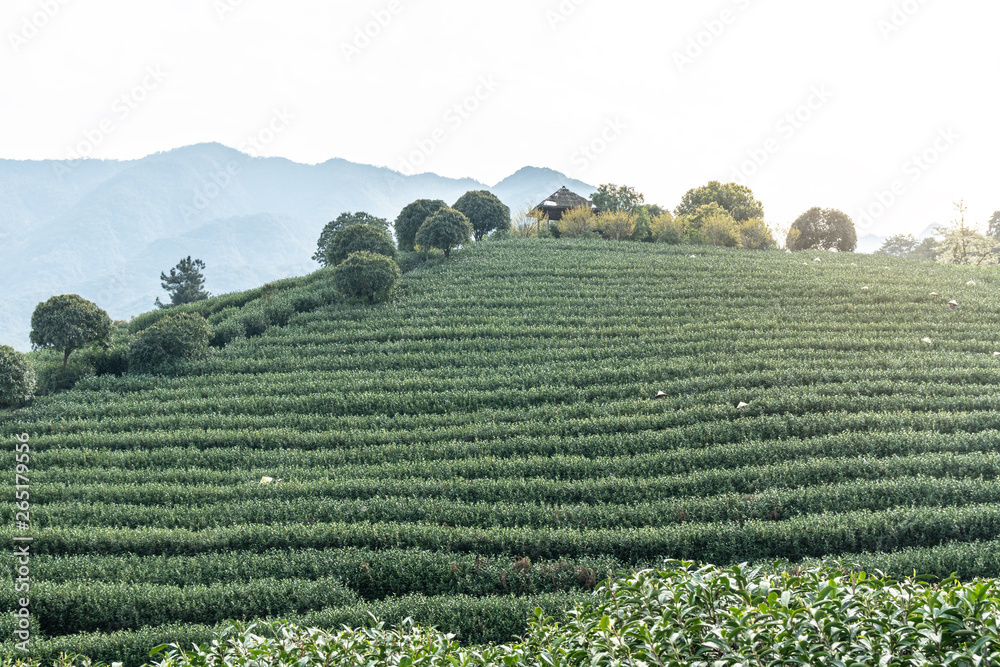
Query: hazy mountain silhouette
point(105, 229)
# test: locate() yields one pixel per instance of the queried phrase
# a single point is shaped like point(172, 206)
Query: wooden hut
point(561, 201)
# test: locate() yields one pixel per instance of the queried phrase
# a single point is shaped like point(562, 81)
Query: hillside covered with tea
point(521, 421)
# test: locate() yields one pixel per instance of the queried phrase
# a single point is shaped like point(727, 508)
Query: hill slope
point(494, 433)
point(105, 229)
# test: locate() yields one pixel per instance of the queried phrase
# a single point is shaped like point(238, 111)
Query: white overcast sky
point(895, 79)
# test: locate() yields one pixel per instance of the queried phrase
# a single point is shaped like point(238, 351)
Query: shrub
point(53, 377)
point(172, 339)
point(412, 217)
point(227, 331)
point(356, 238)
point(755, 235)
point(527, 222)
point(720, 230)
point(577, 222)
point(17, 377)
point(616, 225)
point(665, 228)
point(444, 230)
point(365, 276)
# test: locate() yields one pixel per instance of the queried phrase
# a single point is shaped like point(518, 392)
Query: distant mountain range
point(105, 229)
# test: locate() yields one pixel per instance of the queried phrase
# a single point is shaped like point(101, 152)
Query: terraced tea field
point(492, 442)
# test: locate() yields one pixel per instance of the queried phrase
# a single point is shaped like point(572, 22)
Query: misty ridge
point(105, 229)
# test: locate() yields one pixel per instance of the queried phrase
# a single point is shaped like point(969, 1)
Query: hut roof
point(563, 198)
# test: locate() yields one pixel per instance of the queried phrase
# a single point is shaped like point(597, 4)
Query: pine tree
point(185, 284)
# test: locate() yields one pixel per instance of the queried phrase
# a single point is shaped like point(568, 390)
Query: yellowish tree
point(616, 225)
point(577, 221)
point(720, 229)
point(755, 235)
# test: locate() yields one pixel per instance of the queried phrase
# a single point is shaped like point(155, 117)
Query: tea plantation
point(492, 442)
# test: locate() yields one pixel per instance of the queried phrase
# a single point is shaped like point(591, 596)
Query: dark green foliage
point(411, 218)
point(343, 221)
point(617, 198)
point(227, 331)
point(356, 238)
point(185, 284)
point(822, 229)
point(53, 377)
point(485, 212)
point(444, 230)
point(111, 358)
point(17, 377)
point(68, 322)
point(367, 277)
point(276, 303)
point(173, 339)
point(678, 614)
point(737, 200)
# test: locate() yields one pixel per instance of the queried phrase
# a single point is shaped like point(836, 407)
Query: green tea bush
point(169, 341)
point(17, 377)
point(368, 277)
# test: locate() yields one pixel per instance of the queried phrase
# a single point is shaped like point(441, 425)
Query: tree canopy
point(354, 238)
point(185, 284)
point(484, 211)
point(444, 230)
point(963, 244)
point(68, 322)
point(899, 245)
point(737, 199)
point(411, 217)
point(344, 220)
point(822, 229)
point(617, 198)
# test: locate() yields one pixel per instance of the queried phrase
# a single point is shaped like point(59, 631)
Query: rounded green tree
point(17, 378)
point(444, 230)
point(356, 238)
point(737, 200)
point(366, 276)
point(68, 322)
point(174, 338)
point(344, 220)
point(410, 218)
point(484, 211)
point(822, 229)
